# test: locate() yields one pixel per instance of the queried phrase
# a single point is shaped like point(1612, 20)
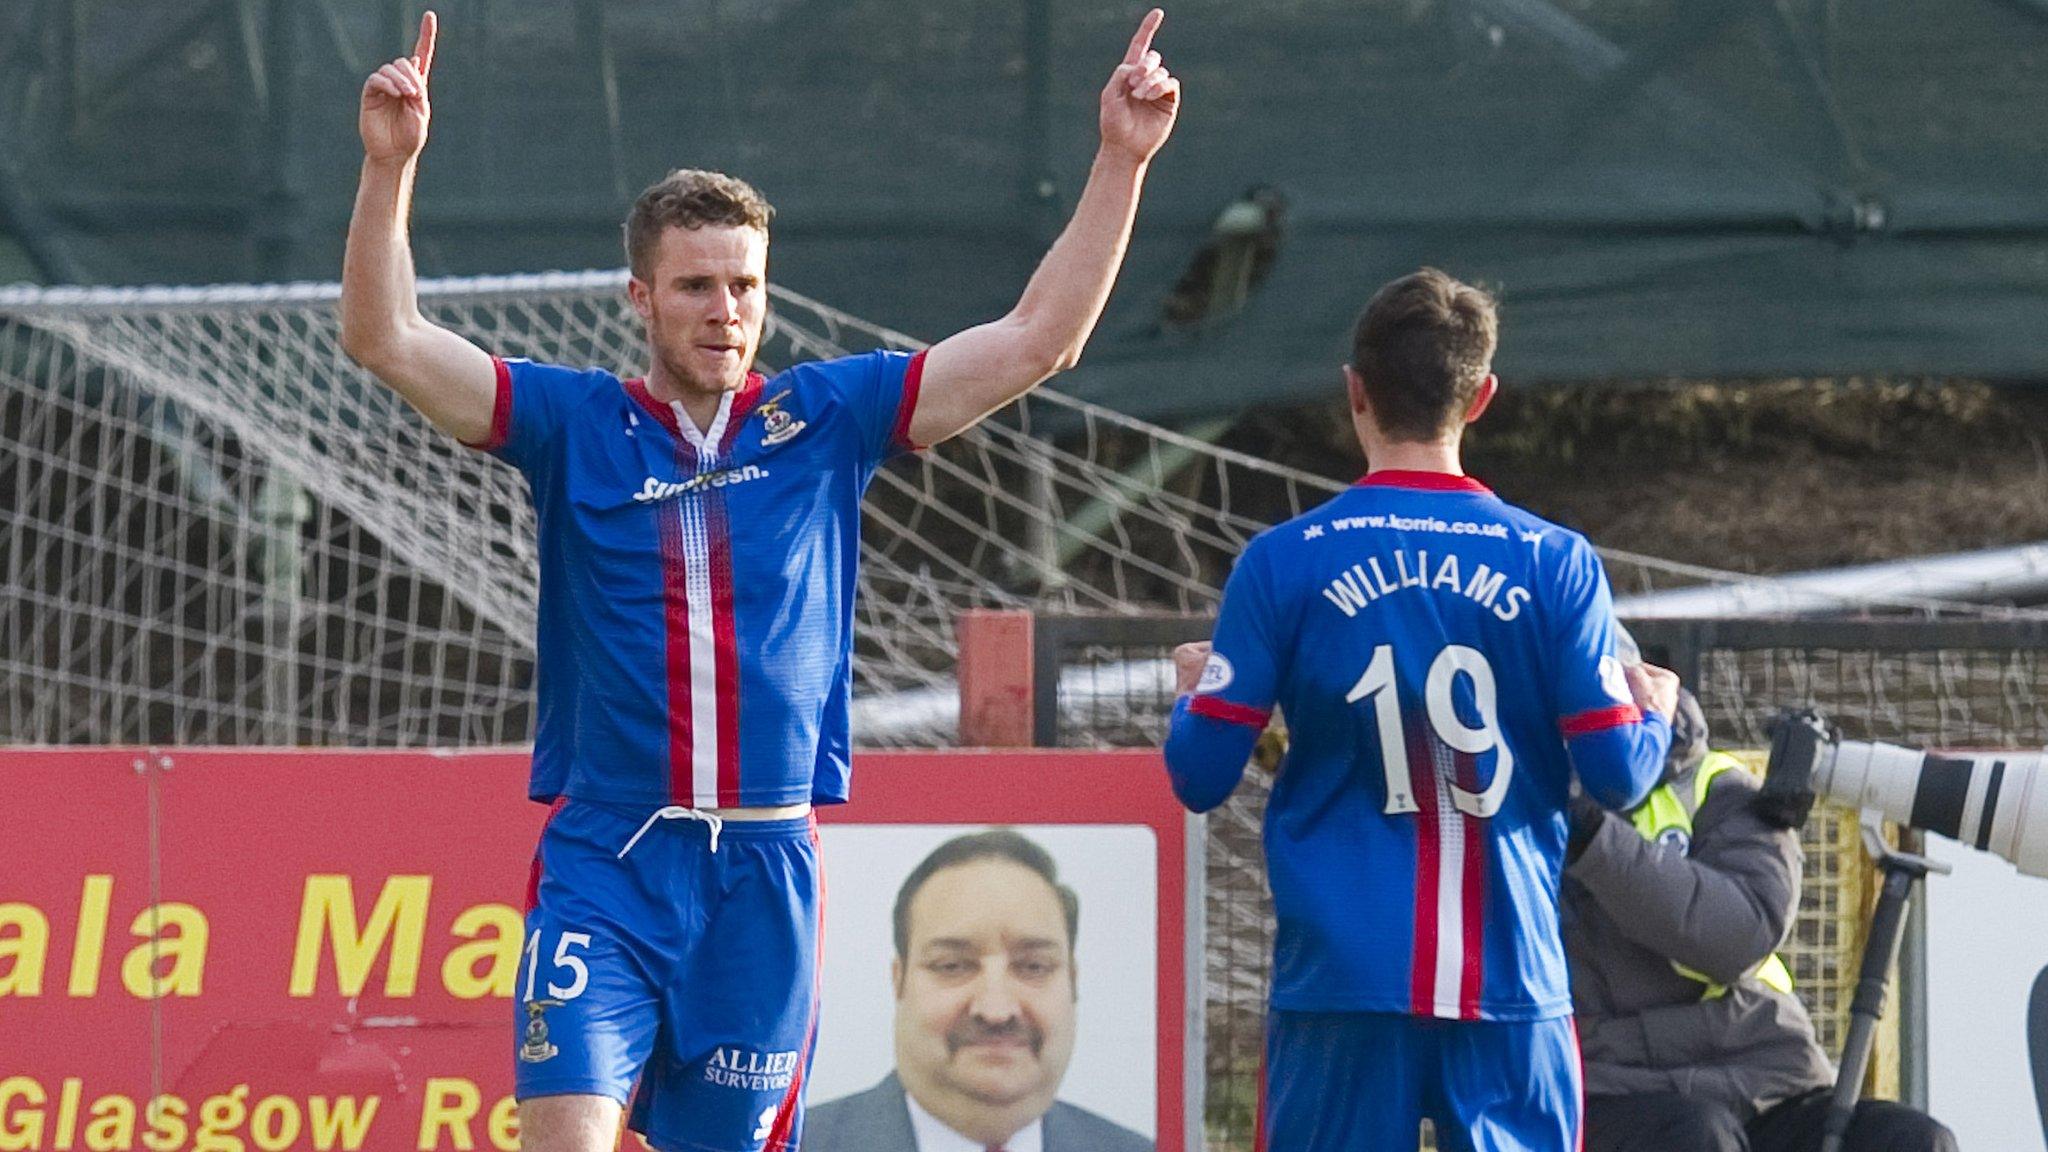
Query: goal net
point(220, 531)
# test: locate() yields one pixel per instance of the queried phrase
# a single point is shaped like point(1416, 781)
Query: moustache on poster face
point(971, 1032)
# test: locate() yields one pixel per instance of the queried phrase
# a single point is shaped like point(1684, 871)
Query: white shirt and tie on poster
point(988, 1023)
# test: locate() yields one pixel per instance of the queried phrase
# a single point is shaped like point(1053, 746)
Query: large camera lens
point(1987, 800)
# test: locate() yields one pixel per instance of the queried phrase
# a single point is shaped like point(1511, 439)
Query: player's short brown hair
point(691, 198)
point(1423, 346)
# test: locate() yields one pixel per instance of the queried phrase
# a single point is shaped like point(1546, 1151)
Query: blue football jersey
point(696, 586)
point(1432, 649)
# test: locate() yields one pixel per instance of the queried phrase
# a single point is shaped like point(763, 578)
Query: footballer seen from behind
point(1446, 663)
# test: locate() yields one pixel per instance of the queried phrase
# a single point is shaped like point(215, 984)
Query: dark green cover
point(1710, 188)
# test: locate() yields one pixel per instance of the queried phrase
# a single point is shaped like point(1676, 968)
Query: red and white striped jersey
point(1434, 650)
point(696, 586)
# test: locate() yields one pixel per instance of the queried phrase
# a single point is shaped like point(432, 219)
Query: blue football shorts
point(671, 963)
point(1364, 1081)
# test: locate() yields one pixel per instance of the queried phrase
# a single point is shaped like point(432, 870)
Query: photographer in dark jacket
point(1692, 1038)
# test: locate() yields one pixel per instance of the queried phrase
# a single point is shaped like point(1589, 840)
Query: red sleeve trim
point(913, 379)
point(1601, 719)
point(501, 411)
point(1224, 710)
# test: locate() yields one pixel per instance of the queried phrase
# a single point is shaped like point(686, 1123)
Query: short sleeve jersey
point(696, 587)
point(1430, 647)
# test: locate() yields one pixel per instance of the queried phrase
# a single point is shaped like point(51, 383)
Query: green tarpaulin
point(1657, 187)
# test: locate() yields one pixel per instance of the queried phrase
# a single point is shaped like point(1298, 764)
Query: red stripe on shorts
point(785, 1116)
point(533, 872)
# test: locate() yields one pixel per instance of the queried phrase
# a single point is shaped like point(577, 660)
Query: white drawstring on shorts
point(677, 812)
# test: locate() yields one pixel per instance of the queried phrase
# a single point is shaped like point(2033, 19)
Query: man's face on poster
point(985, 990)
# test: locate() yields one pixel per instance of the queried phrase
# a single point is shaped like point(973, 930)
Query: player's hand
point(1655, 689)
point(1142, 99)
point(395, 111)
point(1188, 662)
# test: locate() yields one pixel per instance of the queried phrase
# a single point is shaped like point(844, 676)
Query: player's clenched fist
point(394, 116)
point(1188, 662)
point(1655, 689)
point(1142, 98)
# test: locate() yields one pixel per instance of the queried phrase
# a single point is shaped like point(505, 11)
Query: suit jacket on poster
point(878, 1120)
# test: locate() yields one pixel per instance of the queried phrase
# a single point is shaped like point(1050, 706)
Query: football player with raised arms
point(1445, 662)
point(699, 530)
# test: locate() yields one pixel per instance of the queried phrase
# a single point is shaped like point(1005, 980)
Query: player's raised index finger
point(423, 51)
point(1141, 43)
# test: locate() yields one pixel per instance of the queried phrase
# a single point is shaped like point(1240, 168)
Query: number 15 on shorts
point(565, 961)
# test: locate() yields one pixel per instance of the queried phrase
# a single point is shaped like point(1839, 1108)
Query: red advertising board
point(213, 949)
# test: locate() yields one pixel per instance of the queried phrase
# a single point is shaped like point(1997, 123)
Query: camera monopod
point(1873, 975)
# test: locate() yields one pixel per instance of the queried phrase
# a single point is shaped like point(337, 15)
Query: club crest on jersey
point(537, 1048)
point(777, 424)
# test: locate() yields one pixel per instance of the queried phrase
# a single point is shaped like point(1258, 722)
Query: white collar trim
point(934, 1136)
point(705, 442)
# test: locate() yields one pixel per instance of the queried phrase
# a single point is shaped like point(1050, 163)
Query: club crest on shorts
point(777, 423)
point(537, 1048)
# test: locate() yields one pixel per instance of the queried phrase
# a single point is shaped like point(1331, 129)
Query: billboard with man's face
point(192, 961)
point(992, 1004)
point(1015, 980)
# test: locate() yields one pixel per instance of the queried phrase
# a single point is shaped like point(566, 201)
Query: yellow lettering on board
point(505, 1124)
point(343, 1120)
point(21, 1128)
point(26, 946)
point(328, 912)
point(113, 1125)
point(499, 951)
point(94, 898)
point(174, 940)
point(449, 1102)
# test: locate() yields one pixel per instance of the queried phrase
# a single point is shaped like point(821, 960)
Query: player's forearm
point(1618, 765)
point(975, 372)
point(1205, 756)
point(378, 295)
point(449, 380)
point(1065, 297)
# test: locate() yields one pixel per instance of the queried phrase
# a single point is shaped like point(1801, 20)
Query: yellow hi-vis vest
point(1666, 812)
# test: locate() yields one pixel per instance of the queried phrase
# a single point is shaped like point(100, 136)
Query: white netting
point(221, 531)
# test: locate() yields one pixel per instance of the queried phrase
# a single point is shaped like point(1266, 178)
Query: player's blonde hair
point(691, 198)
